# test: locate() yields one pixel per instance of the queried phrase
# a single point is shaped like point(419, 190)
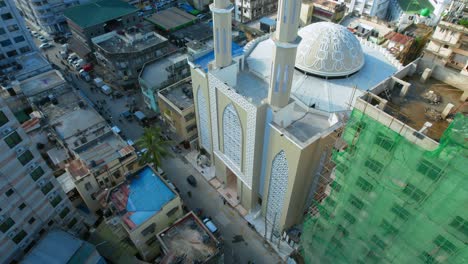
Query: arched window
point(232, 135)
point(203, 120)
point(277, 188)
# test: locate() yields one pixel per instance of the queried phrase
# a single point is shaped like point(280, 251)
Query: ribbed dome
point(328, 50)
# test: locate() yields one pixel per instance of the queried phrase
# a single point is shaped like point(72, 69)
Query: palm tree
point(157, 147)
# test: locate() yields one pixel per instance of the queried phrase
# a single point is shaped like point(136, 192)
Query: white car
point(45, 46)
point(42, 39)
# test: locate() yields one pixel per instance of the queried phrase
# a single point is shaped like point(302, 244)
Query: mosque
point(265, 116)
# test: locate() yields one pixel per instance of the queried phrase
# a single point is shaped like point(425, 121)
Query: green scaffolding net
point(392, 201)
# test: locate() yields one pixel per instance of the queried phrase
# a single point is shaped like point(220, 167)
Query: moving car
point(45, 46)
point(210, 225)
point(192, 181)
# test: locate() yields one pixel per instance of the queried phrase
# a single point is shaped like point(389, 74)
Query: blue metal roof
point(148, 194)
point(268, 21)
point(207, 58)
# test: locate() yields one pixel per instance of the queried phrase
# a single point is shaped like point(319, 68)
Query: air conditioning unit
point(7, 131)
point(41, 183)
point(51, 197)
point(20, 150)
point(33, 166)
point(12, 234)
point(2, 218)
point(24, 244)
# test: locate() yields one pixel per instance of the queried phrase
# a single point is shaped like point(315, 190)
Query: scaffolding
point(388, 200)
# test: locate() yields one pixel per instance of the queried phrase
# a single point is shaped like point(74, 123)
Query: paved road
point(242, 244)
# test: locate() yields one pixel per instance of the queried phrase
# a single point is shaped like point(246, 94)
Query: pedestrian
point(189, 193)
point(224, 201)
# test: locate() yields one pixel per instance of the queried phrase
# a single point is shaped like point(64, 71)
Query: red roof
point(397, 37)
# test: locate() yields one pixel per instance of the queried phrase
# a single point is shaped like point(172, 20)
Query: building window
point(47, 188)
point(460, 224)
point(429, 170)
point(428, 258)
point(341, 231)
point(37, 173)
point(7, 16)
point(384, 142)
point(3, 119)
point(64, 212)
point(25, 157)
point(31, 220)
point(191, 128)
point(25, 49)
point(172, 211)
point(12, 53)
point(388, 229)
point(445, 245)
point(22, 234)
point(400, 212)
point(203, 120)
point(446, 46)
point(335, 186)
point(2, 3)
point(7, 224)
point(414, 192)
point(88, 186)
point(189, 117)
point(13, 139)
point(374, 165)
point(51, 222)
point(2, 31)
point(13, 28)
point(277, 188)
point(151, 241)
point(5, 43)
point(364, 185)
point(22, 206)
point(19, 39)
point(349, 217)
point(150, 229)
point(356, 202)
point(10, 192)
point(56, 201)
point(378, 242)
point(232, 135)
point(72, 223)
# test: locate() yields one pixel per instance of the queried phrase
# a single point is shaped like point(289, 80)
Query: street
point(241, 243)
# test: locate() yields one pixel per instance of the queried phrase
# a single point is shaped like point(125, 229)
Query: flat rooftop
point(203, 61)
point(307, 124)
point(415, 109)
point(143, 195)
point(154, 73)
point(198, 32)
point(41, 83)
point(32, 62)
point(59, 247)
point(188, 240)
point(171, 19)
point(114, 42)
point(181, 95)
point(101, 10)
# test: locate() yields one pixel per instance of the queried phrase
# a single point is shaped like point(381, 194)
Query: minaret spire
point(222, 32)
point(284, 53)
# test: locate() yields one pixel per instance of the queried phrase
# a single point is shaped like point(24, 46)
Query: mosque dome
point(328, 50)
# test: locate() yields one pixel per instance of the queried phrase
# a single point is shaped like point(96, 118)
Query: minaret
point(284, 53)
point(222, 32)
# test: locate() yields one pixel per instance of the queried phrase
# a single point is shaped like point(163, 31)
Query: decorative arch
point(277, 188)
point(232, 135)
point(203, 120)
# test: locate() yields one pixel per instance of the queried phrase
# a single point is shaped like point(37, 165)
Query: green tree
point(157, 147)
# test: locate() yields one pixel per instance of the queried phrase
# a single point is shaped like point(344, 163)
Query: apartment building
point(321, 10)
point(376, 8)
point(31, 199)
point(178, 111)
point(46, 15)
point(15, 39)
point(394, 189)
point(249, 10)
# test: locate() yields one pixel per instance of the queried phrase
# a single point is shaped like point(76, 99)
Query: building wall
point(200, 85)
point(186, 129)
point(15, 39)
point(248, 10)
point(148, 245)
point(34, 204)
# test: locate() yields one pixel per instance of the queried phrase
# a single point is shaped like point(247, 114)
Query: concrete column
point(464, 96)
point(404, 90)
point(426, 75)
point(447, 110)
point(222, 32)
point(284, 52)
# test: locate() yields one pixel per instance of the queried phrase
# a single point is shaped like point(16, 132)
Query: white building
point(376, 8)
point(14, 37)
point(46, 15)
point(248, 10)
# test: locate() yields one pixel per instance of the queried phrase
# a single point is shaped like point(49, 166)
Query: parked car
point(192, 181)
point(210, 225)
point(42, 39)
point(45, 46)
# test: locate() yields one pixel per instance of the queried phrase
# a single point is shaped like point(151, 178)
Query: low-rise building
point(189, 241)
point(122, 54)
point(107, 16)
point(321, 10)
point(249, 10)
point(172, 19)
point(142, 206)
point(158, 74)
point(58, 246)
point(42, 86)
point(178, 111)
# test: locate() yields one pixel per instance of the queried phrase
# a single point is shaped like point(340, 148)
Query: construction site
point(394, 187)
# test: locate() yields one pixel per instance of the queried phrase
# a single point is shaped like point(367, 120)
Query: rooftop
point(31, 63)
point(128, 41)
point(188, 240)
point(143, 195)
point(41, 83)
point(203, 61)
point(198, 32)
point(154, 73)
point(180, 95)
point(416, 108)
point(101, 10)
point(171, 19)
point(58, 247)
point(398, 37)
